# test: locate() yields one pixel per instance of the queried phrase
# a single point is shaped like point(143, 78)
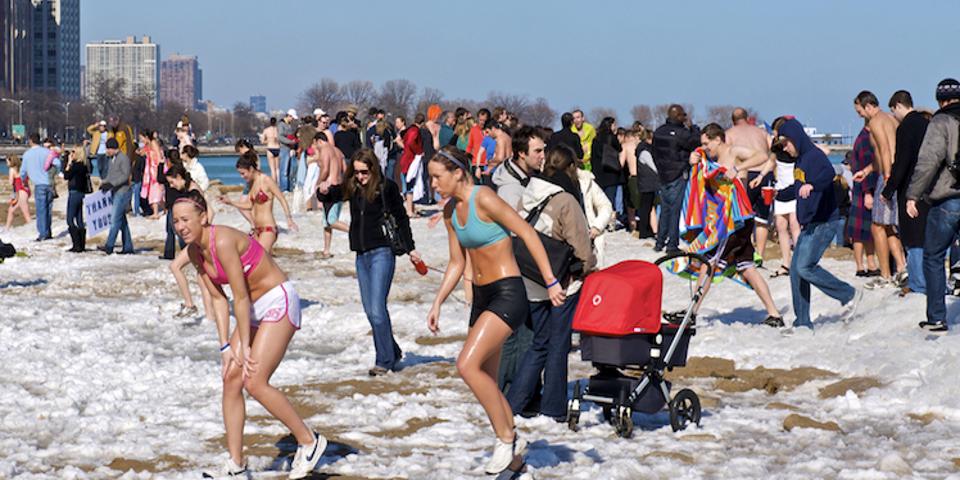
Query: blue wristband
point(225, 347)
point(556, 281)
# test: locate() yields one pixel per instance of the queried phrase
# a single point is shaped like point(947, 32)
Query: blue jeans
point(169, 247)
point(103, 165)
point(671, 202)
point(137, 212)
point(552, 328)
point(943, 224)
point(615, 194)
point(838, 234)
point(375, 274)
point(285, 170)
point(302, 169)
point(916, 282)
point(118, 223)
point(75, 209)
point(390, 169)
point(805, 271)
point(43, 197)
point(513, 350)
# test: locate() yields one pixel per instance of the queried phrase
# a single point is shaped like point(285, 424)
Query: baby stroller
point(620, 325)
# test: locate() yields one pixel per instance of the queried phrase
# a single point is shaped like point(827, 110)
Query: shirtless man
point(331, 175)
point(742, 134)
point(504, 148)
point(738, 249)
point(883, 138)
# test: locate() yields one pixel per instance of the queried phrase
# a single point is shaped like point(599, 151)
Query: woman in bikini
point(259, 202)
point(21, 192)
point(267, 310)
point(479, 225)
point(271, 139)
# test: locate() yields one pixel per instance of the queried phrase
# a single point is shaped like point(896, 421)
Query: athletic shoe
point(503, 455)
point(307, 457)
point(772, 321)
point(229, 470)
point(185, 312)
point(873, 273)
point(852, 306)
point(901, 278)
point(879, 283)
point(935, 327)
point(377, 371)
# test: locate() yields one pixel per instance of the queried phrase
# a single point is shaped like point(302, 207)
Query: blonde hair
point(80, 152)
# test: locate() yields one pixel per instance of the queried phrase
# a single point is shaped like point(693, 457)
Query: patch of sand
point(855, 384)
point(795, 420)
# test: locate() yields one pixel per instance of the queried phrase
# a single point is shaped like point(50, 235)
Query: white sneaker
point(852, 306)
point(230, 470)
point(186, 311)
point(307, 457)
point(503, 454)
point(879, 283)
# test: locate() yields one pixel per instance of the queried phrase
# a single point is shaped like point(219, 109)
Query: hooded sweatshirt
point(940, 144)
point(510, 180)
point(562, 219)
point(812, 168)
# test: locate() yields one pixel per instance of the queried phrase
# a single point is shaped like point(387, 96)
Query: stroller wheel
point(608, 414)
point(624, 422)
point(684, 409)
point(573, 409)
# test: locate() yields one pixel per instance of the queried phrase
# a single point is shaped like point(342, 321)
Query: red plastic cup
point(768, 194)
point(420, 266)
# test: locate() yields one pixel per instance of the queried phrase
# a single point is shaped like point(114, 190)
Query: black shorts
point(506, 298)
point(761, 211)
point(738, 250)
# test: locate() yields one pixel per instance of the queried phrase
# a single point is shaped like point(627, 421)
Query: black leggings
point(643, 214)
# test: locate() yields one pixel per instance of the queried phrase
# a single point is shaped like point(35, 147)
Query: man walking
point(913, 127)
point(673, 142)
point(742, 134)
point(816, 209)
point(118, 183)
point(936, 172)
point(36, 168)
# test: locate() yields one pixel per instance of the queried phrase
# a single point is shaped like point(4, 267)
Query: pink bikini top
point(249, 260)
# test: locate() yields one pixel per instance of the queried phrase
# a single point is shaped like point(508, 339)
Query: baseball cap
point(292, 113)
point(103, 123)
point(318, 112)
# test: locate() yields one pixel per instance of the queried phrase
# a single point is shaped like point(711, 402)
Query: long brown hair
point(370, 190)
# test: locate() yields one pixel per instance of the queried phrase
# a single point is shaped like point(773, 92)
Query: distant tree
point(643, 114)
point(516, 104)
point(325, 94)
point(396, 96)
point(245, 121)
point(598, 113)
point(360, 93)
point(106, 94)
point(539, 113)
point(428, 97)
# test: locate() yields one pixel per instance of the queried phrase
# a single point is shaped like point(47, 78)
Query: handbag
point(391, 228)
point(610, 159)
point(559, 253)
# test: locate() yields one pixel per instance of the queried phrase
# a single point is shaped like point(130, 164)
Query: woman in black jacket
point(77, 175)
point(170, 195)
point(371, 196)
point(609, 170)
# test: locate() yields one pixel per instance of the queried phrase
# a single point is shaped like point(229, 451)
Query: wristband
point(556, 281)
point(225, 347)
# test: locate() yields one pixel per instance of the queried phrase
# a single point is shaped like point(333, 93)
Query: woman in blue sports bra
point(479, 224)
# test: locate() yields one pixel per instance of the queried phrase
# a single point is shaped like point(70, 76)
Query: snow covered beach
point(100, 381)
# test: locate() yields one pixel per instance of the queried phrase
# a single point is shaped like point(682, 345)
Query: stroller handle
point(711, 266)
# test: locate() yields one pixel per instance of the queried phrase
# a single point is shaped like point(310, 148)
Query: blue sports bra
point(477, 233)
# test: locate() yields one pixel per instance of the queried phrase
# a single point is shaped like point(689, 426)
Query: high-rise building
point(258, 103)
point(16, 22)
point(135, 63)
point(181, 81)
point(56, 46)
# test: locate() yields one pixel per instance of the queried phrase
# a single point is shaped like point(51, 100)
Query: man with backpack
point(937, 178)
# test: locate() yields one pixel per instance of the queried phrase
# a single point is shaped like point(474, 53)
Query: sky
point(805, 58)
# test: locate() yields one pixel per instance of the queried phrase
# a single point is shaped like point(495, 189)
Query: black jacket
point(647, 179)
point(77, 176)
point(136, 172)
point(605, 178)
point(348, 142)
point(366, 219)
point(910, 135)
point(565, 137)
point(672, 144)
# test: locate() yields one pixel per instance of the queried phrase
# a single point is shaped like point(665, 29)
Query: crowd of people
point(508, 194)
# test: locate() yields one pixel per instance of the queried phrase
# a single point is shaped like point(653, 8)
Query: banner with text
point(97, 212)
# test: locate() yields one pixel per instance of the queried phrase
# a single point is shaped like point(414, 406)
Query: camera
point(953, 165)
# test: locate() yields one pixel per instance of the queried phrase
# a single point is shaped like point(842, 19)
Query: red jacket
point(412, 146)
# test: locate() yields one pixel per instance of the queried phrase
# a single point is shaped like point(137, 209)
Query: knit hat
point(948, 89)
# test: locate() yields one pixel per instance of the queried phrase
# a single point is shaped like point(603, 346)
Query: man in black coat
point(913, 126)
point(565, 136)
point(673, 142)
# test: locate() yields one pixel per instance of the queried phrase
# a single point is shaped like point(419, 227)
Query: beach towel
point(414, 180)
point(714, 207)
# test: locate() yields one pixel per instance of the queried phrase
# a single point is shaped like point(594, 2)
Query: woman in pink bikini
point(267, 309)
point(260, 200)
point(21, 192)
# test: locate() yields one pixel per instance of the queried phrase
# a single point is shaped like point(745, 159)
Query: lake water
point(223, 168)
